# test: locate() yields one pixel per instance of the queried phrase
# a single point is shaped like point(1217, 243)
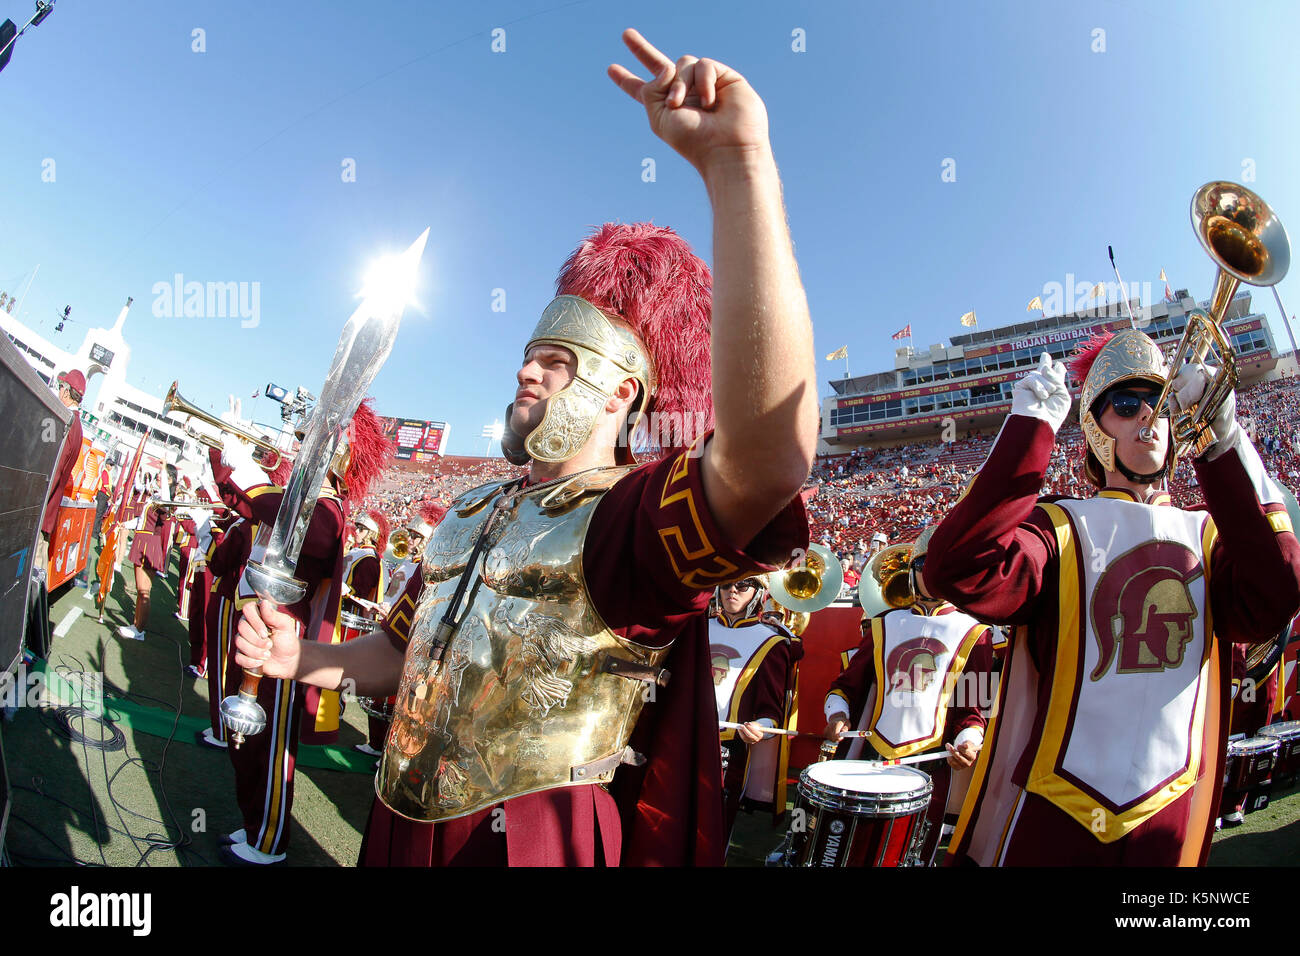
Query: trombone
point(1248, 243)
point(175, 402)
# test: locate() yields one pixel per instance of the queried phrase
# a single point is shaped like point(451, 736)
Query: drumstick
point(728, 725)
point(918, 758)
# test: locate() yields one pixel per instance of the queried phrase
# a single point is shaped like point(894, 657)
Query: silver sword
point(363, 347)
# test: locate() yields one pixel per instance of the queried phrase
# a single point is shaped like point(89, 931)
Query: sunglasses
point(1127, 402)
point(739, 586)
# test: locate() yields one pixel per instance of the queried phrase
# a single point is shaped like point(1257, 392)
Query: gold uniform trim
point(742, 682)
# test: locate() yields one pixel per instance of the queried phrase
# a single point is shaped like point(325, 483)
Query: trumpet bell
point(811, 587)
point(1241, 233)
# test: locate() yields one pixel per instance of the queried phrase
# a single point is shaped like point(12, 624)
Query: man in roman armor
point(537, 721)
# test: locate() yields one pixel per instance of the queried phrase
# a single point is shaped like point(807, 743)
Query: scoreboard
point(416, 440)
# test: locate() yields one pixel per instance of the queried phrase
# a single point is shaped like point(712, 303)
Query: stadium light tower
point(9, 33)
point(492, 433)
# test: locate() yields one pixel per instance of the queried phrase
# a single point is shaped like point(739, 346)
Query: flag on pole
point(1163, 277)
point(969, 320)
point(1098, 289)
point(1169, 296)
point(1035, 303)
point(903, 333)
point(840, 353)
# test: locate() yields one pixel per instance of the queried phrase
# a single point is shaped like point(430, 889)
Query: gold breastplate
point(533, 691)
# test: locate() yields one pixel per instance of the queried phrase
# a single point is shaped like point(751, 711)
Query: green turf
point(164, 801)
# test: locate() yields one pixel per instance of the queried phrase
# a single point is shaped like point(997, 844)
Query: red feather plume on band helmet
point(369, 451)
point(381, 519)
point(648, 276)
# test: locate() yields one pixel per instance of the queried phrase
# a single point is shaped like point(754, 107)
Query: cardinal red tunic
point(651, 559)
point(152, 544)
point(63, 469)
point(996, 556)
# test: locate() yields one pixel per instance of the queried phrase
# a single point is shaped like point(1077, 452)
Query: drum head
point(1253, 745)
point(1286, 729)
point(866, 776)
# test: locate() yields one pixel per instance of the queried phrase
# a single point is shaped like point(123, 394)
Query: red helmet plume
point(432, 510)
point(648, 276)
point(371, 450)
point(385, 529)
point(1081, 359)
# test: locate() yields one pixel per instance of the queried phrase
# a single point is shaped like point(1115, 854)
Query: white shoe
point(197, 673)
point(239, 836)
point(255, 857)
point(91, 594)
point(368, 750)
point(1234, 817)
point(130, 632)
point(211, 740)
point(180, 617)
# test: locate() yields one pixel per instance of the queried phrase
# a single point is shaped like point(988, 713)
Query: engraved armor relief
point(521, 699)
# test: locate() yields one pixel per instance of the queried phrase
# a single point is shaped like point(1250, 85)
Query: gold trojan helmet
point(607, 352)
point(1129, 356)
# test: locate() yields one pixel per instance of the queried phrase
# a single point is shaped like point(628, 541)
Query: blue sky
point(227, 166)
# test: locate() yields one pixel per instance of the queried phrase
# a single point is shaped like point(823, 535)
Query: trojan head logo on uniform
point(721, 656)
point(1143, 609)
point(913, 665)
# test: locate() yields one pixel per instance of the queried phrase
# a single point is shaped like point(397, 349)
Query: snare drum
point(354, 625)
point(1287, 734)
point(863, 813)
point(1250, 762)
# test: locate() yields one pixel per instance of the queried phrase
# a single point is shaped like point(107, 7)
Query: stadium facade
point(951, 392)
point(120, 413)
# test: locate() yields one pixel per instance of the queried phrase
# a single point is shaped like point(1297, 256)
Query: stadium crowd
point(895, 491)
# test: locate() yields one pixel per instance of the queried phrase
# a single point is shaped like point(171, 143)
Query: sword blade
point(363, 347)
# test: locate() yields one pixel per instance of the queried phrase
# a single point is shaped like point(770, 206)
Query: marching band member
point(238, 481)
point(1108, 748)
point(209, 535)
point(363, 576)
point(427, 515)
point(264, 765)
point(150, 550)
point(918, 679)
point(187, 543)
point(755, 665)
point(535, 666)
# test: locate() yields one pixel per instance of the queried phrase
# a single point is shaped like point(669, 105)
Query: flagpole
point(1122, 293)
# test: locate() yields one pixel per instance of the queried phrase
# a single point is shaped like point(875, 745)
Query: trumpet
point(1248, 243)
point(175, 402)
point(400, 543)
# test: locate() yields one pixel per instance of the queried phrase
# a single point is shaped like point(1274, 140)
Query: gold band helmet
point(1130, 356)
point(607, 352)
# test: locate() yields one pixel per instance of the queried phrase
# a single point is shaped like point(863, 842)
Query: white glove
point(1042, 393)
point(1189, 385)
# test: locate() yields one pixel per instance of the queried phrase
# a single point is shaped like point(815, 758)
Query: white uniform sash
point(1122, 734)
point(918, 660)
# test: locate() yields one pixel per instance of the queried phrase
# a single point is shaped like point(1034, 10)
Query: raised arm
point(988, 555)
point(764, 388)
